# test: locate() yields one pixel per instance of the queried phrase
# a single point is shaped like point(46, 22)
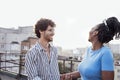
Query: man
point(41, 60)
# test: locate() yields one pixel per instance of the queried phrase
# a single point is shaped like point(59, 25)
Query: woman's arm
point(75, 74)
point(70, 76)
point(107, 65)
point(107, 75)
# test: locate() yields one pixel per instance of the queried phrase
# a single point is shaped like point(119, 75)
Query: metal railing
point(14, 64)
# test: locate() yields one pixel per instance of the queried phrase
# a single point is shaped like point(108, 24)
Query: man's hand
point(66, 76)
point(62, 77)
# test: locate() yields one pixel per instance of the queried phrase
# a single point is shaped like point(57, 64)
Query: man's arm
point(31, 67)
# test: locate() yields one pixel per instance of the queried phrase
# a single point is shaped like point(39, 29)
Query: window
point(2, 46)
point(118, 70)
point(2, 38)
point(24, 47)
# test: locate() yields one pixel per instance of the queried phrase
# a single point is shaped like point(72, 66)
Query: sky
point(73, 18)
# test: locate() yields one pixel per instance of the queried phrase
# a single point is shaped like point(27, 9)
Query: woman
point(98, 61)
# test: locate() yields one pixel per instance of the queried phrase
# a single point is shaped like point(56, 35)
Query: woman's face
point(92, 34)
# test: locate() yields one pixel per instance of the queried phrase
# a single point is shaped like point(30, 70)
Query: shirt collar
point(41, 47)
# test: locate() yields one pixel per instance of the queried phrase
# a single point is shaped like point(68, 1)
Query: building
point(10, 46)
point(27, 44)
point(116, 52)
point(11, 38)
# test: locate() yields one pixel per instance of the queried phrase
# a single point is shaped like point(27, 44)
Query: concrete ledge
point(8, 74)
point(12, 75)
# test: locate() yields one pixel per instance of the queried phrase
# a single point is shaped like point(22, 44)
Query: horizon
point(88, 44)
point(73, 18)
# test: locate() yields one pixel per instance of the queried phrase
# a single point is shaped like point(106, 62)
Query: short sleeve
point(85, 54)
point(107, 63)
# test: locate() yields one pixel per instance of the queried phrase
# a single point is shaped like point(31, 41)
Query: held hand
point(68, 76)
point(62, 76)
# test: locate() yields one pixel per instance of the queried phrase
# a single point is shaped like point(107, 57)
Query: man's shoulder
point(54, 47)
point(33, 49)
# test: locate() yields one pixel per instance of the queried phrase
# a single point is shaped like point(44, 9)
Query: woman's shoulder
point(106, 49)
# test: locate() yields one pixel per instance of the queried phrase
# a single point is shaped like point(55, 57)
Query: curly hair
point(42, 25)
point(107, 31)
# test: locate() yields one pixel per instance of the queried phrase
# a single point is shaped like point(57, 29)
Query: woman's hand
point(62, 77)
point(66, 76)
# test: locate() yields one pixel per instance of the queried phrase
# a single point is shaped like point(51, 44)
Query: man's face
point(48, 34)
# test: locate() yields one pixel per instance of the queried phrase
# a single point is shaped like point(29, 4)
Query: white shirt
point(39, 66)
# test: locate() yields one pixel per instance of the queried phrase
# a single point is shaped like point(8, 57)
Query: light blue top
point(94, 62)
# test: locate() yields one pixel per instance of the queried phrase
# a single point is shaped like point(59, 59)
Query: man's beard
point(49, 40)
point(89, 40)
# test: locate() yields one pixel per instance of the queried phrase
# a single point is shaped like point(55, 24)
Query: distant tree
point(60, 67)
point(63, 70)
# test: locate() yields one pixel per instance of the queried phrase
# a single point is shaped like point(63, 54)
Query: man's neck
point(44, 43)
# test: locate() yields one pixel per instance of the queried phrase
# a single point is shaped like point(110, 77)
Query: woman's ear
point(96, 32)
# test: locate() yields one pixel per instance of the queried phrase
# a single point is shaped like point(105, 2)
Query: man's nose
point(53, 33)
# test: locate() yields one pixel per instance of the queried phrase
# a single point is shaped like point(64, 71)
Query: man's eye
point(51, 30)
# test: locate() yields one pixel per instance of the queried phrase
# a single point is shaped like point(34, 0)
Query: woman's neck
point(96, 45)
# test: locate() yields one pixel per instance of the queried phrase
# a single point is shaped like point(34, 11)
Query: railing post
point(20, 68)
point(71, 66)
point(63, 66)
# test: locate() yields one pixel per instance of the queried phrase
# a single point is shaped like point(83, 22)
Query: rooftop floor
point(5, 77)
point(9, 76)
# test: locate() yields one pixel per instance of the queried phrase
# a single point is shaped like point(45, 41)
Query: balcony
point(12, 66)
